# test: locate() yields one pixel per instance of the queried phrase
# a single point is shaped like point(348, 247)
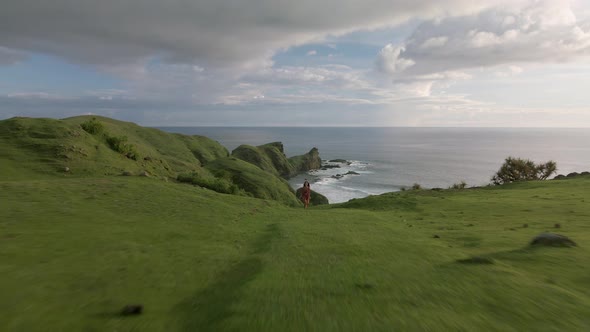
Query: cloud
point(312, 52)
point(544, 31)
point(510, 71)
point(391, 61)
point(435, 42)
point(220, 33)
point(11, 57)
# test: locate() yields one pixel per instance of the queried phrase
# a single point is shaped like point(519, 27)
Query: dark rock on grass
point(364, 286)
point(476, 260)
point(557, 226)
point(552, 240)
point(132, 309)
point(66, 169)
point(435, 236)
point(126, 173)
point(525, 225)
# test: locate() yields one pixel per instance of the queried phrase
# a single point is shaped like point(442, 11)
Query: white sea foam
point(347, 186)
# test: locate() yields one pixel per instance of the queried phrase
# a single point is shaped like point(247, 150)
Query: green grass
point(78, 245)
point(253, 180)
point(45, 147)
point(88, 146)
point(74, 251)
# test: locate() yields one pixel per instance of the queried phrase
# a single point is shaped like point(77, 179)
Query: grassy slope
point(268, 157)
point(254, 180)
point(74, 251)
point(39, 147)
point(35, 148)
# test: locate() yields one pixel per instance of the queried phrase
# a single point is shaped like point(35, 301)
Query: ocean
point(388, 159)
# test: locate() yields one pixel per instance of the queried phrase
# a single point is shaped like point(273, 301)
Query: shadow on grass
point(207, 309)
point(264, 242)
point(523, 254)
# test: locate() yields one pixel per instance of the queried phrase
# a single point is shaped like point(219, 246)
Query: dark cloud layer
point(10, 57)
point(212, 32)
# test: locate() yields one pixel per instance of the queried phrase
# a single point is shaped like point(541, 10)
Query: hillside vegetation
point(76, 247)
point(99, 146)
point(47, 147)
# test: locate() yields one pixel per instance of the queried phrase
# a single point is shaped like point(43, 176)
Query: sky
point(423, 63)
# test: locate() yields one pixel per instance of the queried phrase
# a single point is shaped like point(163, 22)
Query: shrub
point(120, 145)
point(416, 186)
point(517, 169)
point(219, 185)
point(460, 185)
point(92, 126)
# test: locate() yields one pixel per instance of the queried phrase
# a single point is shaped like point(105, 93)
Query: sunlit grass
point(73, 252)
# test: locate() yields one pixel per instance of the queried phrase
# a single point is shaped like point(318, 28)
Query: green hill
point(99, 146)
point(78, 246)
point(271, 158)
point(306, 162)
point(253, 180)
point(48, 147)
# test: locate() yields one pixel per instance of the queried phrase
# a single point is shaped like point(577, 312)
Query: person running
point(306, 194)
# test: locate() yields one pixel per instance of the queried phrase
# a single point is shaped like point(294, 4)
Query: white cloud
point(391, 61)
point(435, 42)
point(211, 59)
point(515, 70)
point(525, 32)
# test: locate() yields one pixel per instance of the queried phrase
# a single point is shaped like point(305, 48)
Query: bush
point(92, 126)
point(460, 185)
point(219, 185)
point(517, 169)
point(416, 186)
point(120, 145)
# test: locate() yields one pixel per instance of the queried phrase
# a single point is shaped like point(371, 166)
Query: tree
point(517, 169)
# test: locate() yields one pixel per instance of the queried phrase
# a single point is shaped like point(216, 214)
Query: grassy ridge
point(269, 157)
point(254, 180)
point(99, 146)
point(47, 147)
point(74, 251)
